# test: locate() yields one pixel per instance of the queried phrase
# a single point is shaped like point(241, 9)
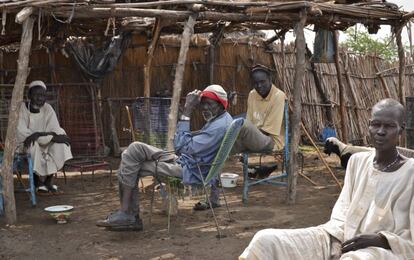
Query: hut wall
point(231, 69)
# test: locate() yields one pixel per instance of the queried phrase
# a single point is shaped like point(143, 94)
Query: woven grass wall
point(232, 61)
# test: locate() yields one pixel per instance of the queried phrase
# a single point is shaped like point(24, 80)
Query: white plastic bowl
point(229, 180)
point(60, 212)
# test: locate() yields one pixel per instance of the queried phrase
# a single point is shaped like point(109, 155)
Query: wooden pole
point(297, 107)
point(401, 70)
point(344, 129)
point(178, 80)
point(150, 55)
point(16, 101)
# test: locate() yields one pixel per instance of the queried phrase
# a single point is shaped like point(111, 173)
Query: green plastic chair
point(216, 166)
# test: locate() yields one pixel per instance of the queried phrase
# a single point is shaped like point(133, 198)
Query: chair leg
point(64, 175)
point(245, 178)
point(31, 182)
point(211, 206)
point(225, 200)
point(110, 176)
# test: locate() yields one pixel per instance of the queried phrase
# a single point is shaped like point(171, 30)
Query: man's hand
point(31, 139)
point(62, 139)
point(363, 241)
point(191, 101)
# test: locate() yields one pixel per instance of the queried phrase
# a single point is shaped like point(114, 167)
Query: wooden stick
point(308, 179)
point(321, 156)
point(353, 94)
point(16, 101)
point(178, 80)
point(344, 129)
point(297, 107)
point(383, 82)
point(114, 134)
point(150, 54)
point(401, 70)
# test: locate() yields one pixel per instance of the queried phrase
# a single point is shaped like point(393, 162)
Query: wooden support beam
point(278, 35)
point(344, 129)
point(150, 55)
point(297, 107)
point(16, 101)
point(401, 59)
point(178, 80)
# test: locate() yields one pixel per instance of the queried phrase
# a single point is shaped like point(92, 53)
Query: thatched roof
point(87, 17)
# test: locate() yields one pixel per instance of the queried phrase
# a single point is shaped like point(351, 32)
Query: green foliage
point(363, 43)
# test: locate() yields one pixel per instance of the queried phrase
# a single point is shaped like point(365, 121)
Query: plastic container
point(229, 180)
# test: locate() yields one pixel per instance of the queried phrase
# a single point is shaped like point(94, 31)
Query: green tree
point(361, 42)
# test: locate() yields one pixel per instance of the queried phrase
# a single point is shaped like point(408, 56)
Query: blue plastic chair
point(18, 160)
point(279, 180)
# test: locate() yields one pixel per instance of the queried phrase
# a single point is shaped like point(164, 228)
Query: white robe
point(370, 202)
point(48, 157)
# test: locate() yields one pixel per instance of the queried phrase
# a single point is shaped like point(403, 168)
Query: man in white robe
point(374, 215)
point(40, 135)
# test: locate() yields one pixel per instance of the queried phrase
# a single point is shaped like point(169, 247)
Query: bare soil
point(192, 234)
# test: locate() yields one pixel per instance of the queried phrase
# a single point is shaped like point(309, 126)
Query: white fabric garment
point(48, 157)
point(370, 202)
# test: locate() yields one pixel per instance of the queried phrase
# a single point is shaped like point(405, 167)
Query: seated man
point(262, 131)
point(191, 148)
point(373, 217)
point(39, 134)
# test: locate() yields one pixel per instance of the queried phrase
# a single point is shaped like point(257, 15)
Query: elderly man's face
point(209, 108)
point(385, 128)
point(37, 96)
point(261, 83)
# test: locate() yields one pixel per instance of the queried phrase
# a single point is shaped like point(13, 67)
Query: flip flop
point(118, 219)
point(55, 190)
point(43, 191)
point(202, 205)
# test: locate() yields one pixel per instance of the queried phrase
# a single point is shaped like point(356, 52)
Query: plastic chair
point(216, 166)
point(19, 158)
point(273, 180)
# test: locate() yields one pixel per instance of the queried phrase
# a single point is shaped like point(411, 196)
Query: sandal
point(55, 190)
point(118, 219)
point(43, 191)
point(202, 205)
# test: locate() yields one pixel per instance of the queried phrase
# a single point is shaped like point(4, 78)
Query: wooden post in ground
point(296, 117)
point(17, 97)
point(344, 129)
point(178, 80)
point(401, 59)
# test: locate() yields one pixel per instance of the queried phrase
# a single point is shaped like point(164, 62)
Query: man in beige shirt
point(373, 217)
point(263, 130)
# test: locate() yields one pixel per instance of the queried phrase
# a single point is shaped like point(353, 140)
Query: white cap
point(37, 83)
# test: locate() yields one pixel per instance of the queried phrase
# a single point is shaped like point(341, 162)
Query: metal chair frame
point(216, 166)
point(273, 180)
point(18, 157)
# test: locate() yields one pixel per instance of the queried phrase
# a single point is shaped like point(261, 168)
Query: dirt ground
point(192, 234)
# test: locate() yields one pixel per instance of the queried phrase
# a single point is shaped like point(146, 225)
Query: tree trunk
point(297, 107)
point(17, 97)
point(178, 80)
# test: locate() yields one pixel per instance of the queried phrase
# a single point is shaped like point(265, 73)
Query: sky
point(406, 5)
